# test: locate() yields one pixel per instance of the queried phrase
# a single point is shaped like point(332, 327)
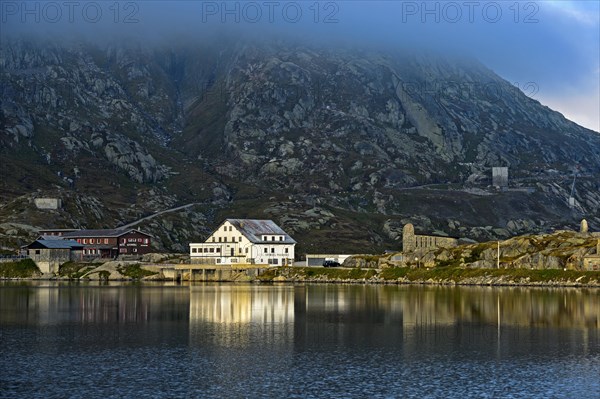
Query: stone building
point(592, 262)
point(412, 242)
point(48, 255)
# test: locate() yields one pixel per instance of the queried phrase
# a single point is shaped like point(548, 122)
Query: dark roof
point(253, 229)
point(54, 244)
point(49, 237)
point(102, 233)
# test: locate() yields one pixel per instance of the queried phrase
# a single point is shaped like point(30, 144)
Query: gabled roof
point(101, 233)
point(54, 244)
point(254, 229)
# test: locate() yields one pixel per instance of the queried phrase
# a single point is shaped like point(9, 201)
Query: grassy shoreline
point(440, 275)
point(26, 270)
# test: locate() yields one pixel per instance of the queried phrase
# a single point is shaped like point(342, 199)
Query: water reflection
point(415, 305)
point(408, 306)
point(212, 340)
point(57, 303)
point(225, 313)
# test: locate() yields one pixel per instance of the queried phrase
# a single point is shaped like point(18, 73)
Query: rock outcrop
point(350, 144)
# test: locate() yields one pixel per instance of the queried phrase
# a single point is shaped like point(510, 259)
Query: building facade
point(412, 242)
point(111, 243)
point(249, 241)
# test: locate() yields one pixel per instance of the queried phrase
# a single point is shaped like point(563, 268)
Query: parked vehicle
point(331, 263)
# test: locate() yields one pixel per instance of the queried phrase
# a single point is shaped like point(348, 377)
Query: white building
point(248, 241)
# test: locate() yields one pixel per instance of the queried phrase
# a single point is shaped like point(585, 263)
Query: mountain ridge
point(278, 130)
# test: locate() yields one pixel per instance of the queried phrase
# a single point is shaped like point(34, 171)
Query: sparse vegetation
point(25, 268)
point(134, 271)
point(75, 270)
point(439, 275)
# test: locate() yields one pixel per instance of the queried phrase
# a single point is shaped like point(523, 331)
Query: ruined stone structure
point(592, 262)
point(48, 203)
point(412, 242)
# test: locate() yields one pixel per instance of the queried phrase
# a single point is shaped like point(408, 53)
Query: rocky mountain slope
point(339, 146)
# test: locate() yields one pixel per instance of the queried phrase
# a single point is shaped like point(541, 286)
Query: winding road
point(178, 208)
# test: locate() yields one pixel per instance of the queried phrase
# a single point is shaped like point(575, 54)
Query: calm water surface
point(113, 341)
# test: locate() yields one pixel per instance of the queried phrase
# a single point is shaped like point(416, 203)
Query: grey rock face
point(334, 128)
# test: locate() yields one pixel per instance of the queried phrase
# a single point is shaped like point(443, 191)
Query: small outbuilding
point(48, 255)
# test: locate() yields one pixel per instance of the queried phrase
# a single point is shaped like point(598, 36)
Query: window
point(240, 240)
point(205, 249)
point(233, 239)
point(219, 239)
point(106, 240)
point(213, 239)
point(37, 251)
point(287, 250)
point(218, 249)
point(139, 240)
point(85, 240)
point(146, 241)
point(265, 238)
point(123, 241)
point(230, 227)
point(224, 228)
point(272, 250)
point(266, 250)
point(218, 260)
point(134, 249)
point(212, 250)
point(280, 238)
point(272, 238)
point(246, 250)
point(194, 250)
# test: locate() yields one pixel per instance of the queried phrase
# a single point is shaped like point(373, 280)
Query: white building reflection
point(239, 315)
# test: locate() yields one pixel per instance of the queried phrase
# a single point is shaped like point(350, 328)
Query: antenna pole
point(498, 258)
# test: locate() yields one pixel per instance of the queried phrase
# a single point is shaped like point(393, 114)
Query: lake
point(120, 340)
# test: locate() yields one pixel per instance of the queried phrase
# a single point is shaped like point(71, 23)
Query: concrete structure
point(48, 255)
point(48, 203)
point(500, 177)
point(318, 259)
point(592, 262)
point(220, 272)
point(248, 241)
point(412, 242)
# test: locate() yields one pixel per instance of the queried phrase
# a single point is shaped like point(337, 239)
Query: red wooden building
point(110, 243)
